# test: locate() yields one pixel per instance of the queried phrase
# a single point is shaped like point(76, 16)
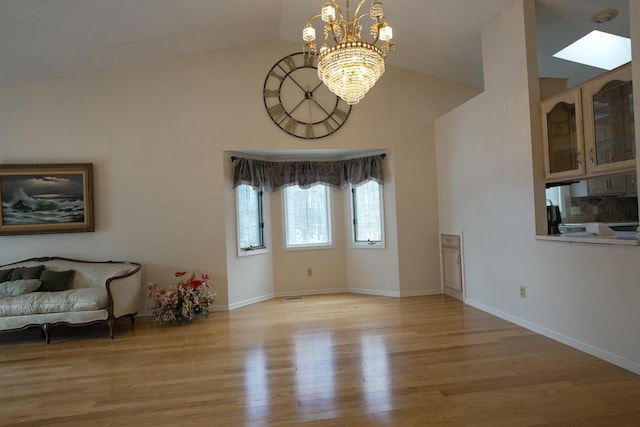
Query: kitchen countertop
point(622, 238)
point(608, 224)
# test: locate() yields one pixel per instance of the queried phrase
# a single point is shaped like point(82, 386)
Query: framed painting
point(46, 198)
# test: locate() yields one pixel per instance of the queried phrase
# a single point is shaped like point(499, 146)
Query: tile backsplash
point(608, 198)
point(601, 209)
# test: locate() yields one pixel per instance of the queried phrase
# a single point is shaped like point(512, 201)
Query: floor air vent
point(292, 298)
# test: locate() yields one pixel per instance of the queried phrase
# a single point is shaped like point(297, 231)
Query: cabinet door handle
point(591, 155)
point(458, 260)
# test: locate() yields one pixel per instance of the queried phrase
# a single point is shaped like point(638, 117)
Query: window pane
point(367, 212)
point(249, 217)
point(307, 216)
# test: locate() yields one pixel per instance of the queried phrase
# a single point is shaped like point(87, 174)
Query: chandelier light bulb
point(376, 10)
point(386, 33)
point(309, 33)
point(328, 12)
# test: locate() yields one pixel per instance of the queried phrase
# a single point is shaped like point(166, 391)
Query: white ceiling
point(41, 39)
point(561, 22)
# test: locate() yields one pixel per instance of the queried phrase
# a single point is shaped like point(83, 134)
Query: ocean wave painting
point(38, 199)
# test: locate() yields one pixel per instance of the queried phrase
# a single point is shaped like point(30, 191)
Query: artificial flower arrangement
point(182, 301)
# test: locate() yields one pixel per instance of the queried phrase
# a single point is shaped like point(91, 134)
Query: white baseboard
point(571, 342)
point(249, 301)
point(421, 293)
point(376, 292)
point(311, 292)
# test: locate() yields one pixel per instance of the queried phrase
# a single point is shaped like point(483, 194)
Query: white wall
point(584, 295)
point(160, 135)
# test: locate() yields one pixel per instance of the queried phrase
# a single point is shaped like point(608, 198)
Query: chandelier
point(348, 65)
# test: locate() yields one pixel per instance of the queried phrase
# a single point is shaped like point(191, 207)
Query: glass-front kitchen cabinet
point(589, 129)
point(562, 132)
point(609, 124)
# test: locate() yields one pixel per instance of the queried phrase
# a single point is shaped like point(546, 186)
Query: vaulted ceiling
point(41, 39)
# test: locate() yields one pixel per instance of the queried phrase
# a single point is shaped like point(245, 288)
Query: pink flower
point(186, 297)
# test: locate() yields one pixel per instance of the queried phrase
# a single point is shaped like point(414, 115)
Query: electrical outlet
point(575, 210)
point(595, 210)
point(309, 272)
point(523, 291)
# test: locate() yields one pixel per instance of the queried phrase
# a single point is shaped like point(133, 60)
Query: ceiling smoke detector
point(604, 16)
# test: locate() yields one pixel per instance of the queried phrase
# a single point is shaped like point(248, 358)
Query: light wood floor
point(331, 360)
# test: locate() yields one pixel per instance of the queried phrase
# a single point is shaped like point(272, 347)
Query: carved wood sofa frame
point(123, 293)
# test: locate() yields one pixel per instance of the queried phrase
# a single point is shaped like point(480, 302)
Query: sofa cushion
point(5, 275)
point(14, 288)
point(27, 272)
point(85, 299)
point(56, 281)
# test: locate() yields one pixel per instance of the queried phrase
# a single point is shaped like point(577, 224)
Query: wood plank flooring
point(327, 360)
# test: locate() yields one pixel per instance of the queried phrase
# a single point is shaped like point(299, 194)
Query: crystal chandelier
point(348, 65)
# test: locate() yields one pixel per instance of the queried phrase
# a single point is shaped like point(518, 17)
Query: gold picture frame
point(46, 198)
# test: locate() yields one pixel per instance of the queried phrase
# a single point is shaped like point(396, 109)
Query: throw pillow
point(55, 281)
point(26, 272)
point(5, 275)
point(14, 288)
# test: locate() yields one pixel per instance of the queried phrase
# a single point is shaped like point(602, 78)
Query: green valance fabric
point(273, 176)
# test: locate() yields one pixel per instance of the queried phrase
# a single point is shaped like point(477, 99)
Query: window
point(307, 216)
point(556, 196)
point(366, 209)
point(250, 218)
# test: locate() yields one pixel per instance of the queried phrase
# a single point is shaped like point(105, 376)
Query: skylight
point(598, 49)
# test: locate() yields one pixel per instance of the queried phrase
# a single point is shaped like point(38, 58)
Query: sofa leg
point(132, 317)
point(47, 329)
point(110, 323)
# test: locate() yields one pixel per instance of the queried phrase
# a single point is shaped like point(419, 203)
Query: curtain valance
point(275, 175)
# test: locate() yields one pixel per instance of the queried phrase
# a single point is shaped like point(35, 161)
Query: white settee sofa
point(67, 292)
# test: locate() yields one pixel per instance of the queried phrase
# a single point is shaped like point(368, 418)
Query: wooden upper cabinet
point(609, 123)
point(589, 130)
point(562, 133)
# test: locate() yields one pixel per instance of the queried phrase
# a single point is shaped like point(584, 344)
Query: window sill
point(376, 245)
point(591, 240)
point(308, 247)
point(260, 251)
